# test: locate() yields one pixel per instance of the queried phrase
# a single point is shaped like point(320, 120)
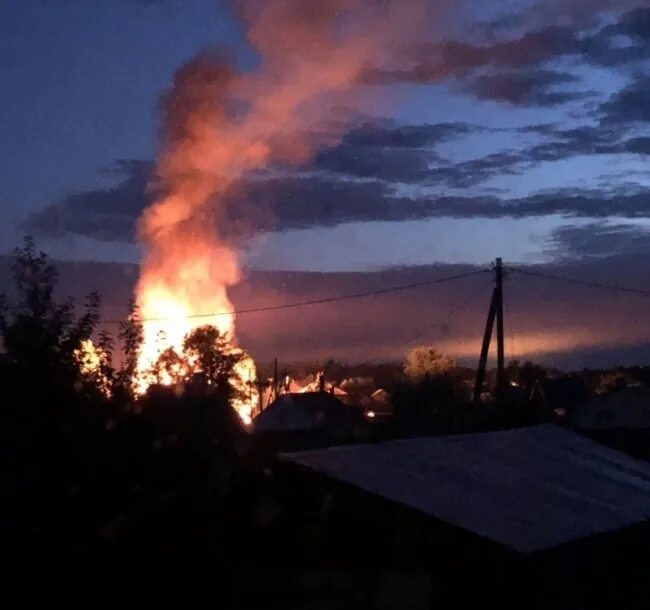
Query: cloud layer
point(383, 170)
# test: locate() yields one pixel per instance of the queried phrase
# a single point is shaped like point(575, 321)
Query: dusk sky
point(510, 131)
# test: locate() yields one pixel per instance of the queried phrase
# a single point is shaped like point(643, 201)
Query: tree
point(423, 360)
point(210, 354)
point(171, 368)
point(206, 358)
point(131, 335)
point(203, 414)
point(41, 337)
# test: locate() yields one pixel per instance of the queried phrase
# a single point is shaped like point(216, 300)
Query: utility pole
point(501, 366)
point(495, 313)
point(275, 379)
point(485, 350)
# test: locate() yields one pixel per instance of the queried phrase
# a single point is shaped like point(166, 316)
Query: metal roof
point(529, 489)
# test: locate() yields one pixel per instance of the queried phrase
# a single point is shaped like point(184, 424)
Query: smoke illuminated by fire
point(219, 124)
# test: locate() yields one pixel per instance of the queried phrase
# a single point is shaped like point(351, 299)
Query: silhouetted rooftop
point(529, 489)
point(301, 412)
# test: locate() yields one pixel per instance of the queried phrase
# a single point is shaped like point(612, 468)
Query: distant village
point(612, 405)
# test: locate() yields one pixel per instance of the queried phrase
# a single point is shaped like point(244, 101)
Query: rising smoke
point(219, 124)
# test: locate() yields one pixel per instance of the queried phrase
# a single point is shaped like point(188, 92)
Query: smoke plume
point(219, 124)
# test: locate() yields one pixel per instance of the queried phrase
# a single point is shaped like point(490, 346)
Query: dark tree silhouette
point(40, 336)
point(130, 337)
point(212, 354)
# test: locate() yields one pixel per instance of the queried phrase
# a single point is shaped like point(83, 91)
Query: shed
point(535, 515)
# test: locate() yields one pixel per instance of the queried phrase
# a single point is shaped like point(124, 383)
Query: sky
point(511, 130)
point(533, 144)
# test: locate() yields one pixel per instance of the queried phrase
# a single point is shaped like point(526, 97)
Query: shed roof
point(528, 489)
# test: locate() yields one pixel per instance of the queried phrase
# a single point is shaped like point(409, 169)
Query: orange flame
point(218, 125)
point(91, 359)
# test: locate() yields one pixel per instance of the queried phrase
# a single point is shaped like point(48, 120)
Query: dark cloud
point(407, 136)
point(466, 174)
point(401, 165)
point(325, 199)
point(560, 144)
point(106, 214)
point(600, 240)
point(495, 70)
point(640, 146)
point(314, 200)
point(636, 25)
point(625, 42)
point(525, 88)
point(567, 143)
point(585, 204)
point(630, 105)
point(426, 63)
point(575, 203)
point(390, 152)
point(362, 179)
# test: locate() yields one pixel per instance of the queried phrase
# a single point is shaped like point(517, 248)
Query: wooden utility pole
point(485, 349)
point(276, 381)
point(501, 365)
point(494, 313)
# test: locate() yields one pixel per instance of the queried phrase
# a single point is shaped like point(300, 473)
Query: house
point(620, 419)
point(535, 516)
point(626, 408)
point(320, 385)
point(310, 418)
point(271, 390)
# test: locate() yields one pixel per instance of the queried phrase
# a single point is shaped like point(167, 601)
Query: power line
point(335, 299)
point(590, 284)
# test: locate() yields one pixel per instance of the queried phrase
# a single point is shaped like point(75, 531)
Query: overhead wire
point(586, 283)
point(312, 302)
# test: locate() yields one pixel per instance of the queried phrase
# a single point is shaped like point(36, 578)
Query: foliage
point(422, 361)
point(211, 354)
point(40, 336)
point(130, 335)
point(207, 359)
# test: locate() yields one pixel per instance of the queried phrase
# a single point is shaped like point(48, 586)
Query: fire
point(218, 125)
point(167, 323)
point(247, 403)
point(91, 359)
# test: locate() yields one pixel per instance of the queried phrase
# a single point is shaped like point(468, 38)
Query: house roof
point(314, 387)
point(528, 489)
point(301, 411)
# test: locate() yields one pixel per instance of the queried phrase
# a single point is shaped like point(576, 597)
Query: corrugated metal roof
point(529, 489)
